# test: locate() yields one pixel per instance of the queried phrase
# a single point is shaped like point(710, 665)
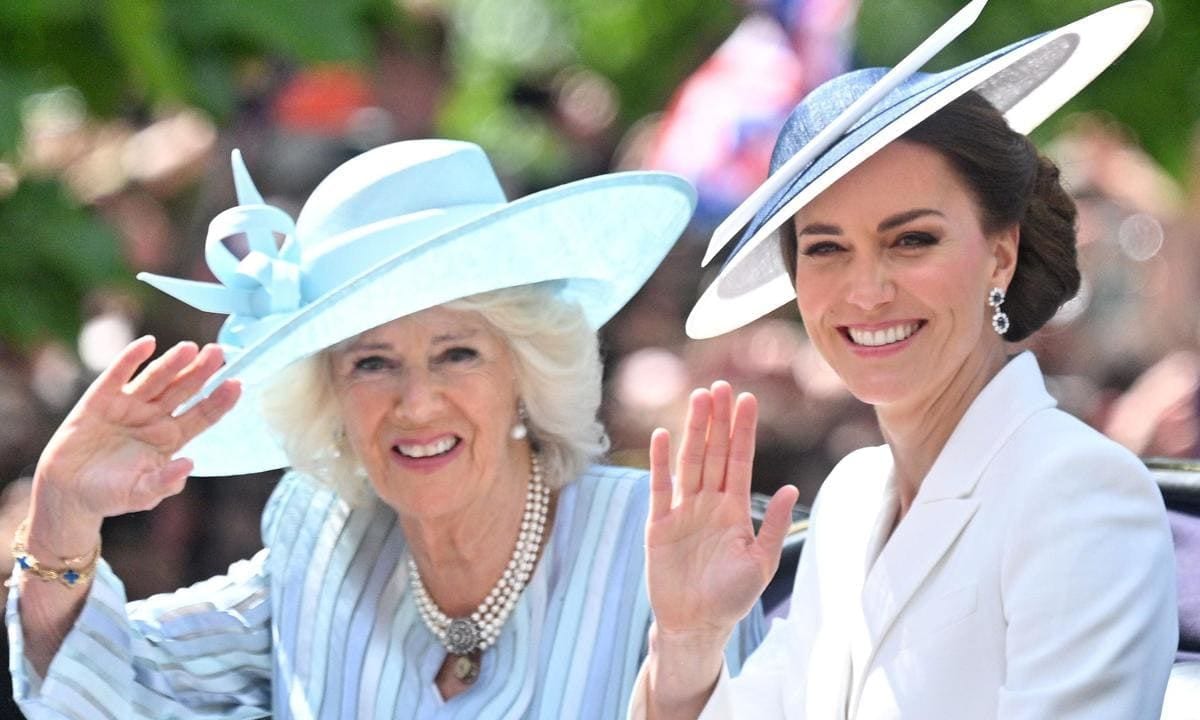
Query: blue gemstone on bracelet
point(23, 560)
point(70, 576)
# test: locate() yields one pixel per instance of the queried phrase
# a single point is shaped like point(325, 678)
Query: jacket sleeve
point(1088, 587)
point(200, 653)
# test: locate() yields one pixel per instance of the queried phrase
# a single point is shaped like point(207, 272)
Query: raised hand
point(705, 567)
point(113, 453)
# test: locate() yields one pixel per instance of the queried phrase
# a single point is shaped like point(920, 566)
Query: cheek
point(361, 407)
point(957, 282)
point(814, 292)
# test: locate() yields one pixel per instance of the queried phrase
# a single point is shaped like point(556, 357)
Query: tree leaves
point(54, 252)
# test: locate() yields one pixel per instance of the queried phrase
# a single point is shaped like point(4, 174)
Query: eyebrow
point(359, 346)
point(906, 217)
point(886, 224)
point(455, 336)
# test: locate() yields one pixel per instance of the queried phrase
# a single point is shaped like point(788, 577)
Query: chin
point(878, 390)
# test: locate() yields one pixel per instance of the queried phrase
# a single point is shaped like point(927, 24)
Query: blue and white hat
point(851, 117)
point(399, 229)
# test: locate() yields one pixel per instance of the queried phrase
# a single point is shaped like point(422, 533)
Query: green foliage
point(643, 47)
point(127, 58)
point(1154, 88)
point(130, 55)
point(54, 252)
point(647, 48)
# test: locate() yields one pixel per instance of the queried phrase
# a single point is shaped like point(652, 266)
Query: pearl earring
point(339, 437)
point(999, 318)
point(519, 431)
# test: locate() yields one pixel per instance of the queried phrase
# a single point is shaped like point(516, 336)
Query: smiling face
point(892, 273)
point(428, 403)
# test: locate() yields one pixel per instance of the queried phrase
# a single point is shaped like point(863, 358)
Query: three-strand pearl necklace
point(463, 636)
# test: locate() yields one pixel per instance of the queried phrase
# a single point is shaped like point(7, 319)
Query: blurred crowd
point(1124, 355)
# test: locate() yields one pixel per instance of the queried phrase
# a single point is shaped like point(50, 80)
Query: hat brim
point(599, 239)
point(1027, 81)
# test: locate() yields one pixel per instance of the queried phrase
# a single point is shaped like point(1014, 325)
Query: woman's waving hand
point(705, 566)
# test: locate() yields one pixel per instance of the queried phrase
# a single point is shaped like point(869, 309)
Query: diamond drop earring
point(999, 318)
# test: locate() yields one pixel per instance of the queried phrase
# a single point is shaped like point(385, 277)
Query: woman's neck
point(461, 557)
point(917, 430)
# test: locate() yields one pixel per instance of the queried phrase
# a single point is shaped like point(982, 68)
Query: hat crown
point(397, 180)
point(827, 101)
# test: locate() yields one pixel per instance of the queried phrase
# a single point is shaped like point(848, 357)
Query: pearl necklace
point(463, 636)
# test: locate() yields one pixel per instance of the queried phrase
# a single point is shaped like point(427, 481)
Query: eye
point(915, 239)
point(823, 247)
point(459, 355)
point(371, 363)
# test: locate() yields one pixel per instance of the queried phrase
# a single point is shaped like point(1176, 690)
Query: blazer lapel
point(849, 531)
point(944, 505)
point(919, 542)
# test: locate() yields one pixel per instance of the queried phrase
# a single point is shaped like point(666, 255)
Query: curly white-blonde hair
point(557, 360)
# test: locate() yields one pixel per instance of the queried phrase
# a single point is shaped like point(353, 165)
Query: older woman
point(424, 355)
point(996, 558)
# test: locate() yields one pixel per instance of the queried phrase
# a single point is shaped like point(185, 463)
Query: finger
point(173, 476)
point(208, 411)
point(151, 381)
point(192, 378)
point(740, 466)
point(114, 377)
point(169, 480)
point(660, 474)
point(777, 520)
point(691, 448)
point(716, 449)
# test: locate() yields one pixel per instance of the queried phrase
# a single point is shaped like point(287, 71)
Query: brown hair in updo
point(1011, 183)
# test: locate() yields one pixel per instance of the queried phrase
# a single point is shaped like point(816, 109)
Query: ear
point(1005, 244)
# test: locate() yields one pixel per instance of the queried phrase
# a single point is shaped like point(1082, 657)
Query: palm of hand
point(705, 566)
point(112, 455)
point(711, 542)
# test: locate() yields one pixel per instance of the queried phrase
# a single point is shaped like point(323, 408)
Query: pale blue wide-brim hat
point(399, 229)
point(849, 118)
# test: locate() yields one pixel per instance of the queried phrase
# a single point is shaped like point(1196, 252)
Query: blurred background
point(117, 120)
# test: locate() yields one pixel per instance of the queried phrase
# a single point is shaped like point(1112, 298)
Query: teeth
point(434, 448)
point(876, 338)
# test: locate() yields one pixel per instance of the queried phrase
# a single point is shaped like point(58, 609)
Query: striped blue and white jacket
point(321, 624)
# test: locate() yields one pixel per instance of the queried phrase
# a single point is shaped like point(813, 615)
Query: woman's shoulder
point(607, 499)
point(599, 474)
point(862, 471)
point(610, 485)
point(1053, 442)
point(1055, 464)
point(298, 498)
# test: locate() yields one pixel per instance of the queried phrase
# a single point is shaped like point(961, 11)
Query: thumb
point(174, 476)
point(169, 480)
point(776, 521)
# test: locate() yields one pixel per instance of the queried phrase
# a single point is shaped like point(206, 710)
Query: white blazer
point(1033, 577)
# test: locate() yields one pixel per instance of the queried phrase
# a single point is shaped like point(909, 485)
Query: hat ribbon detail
point(264, 282)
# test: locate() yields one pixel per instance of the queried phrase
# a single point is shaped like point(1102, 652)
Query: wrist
point(683, 669)
point(57, 528)
point(689, 643)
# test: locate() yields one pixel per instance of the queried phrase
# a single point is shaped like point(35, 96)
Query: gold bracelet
point(73, 571)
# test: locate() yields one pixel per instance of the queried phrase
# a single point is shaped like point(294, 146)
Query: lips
point(421, 450)
point(882, 336)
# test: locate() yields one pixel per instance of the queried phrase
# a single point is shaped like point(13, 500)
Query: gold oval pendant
point(466, 669)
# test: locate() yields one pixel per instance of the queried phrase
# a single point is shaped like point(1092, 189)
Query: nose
point(418, 398)
point(870, 283)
